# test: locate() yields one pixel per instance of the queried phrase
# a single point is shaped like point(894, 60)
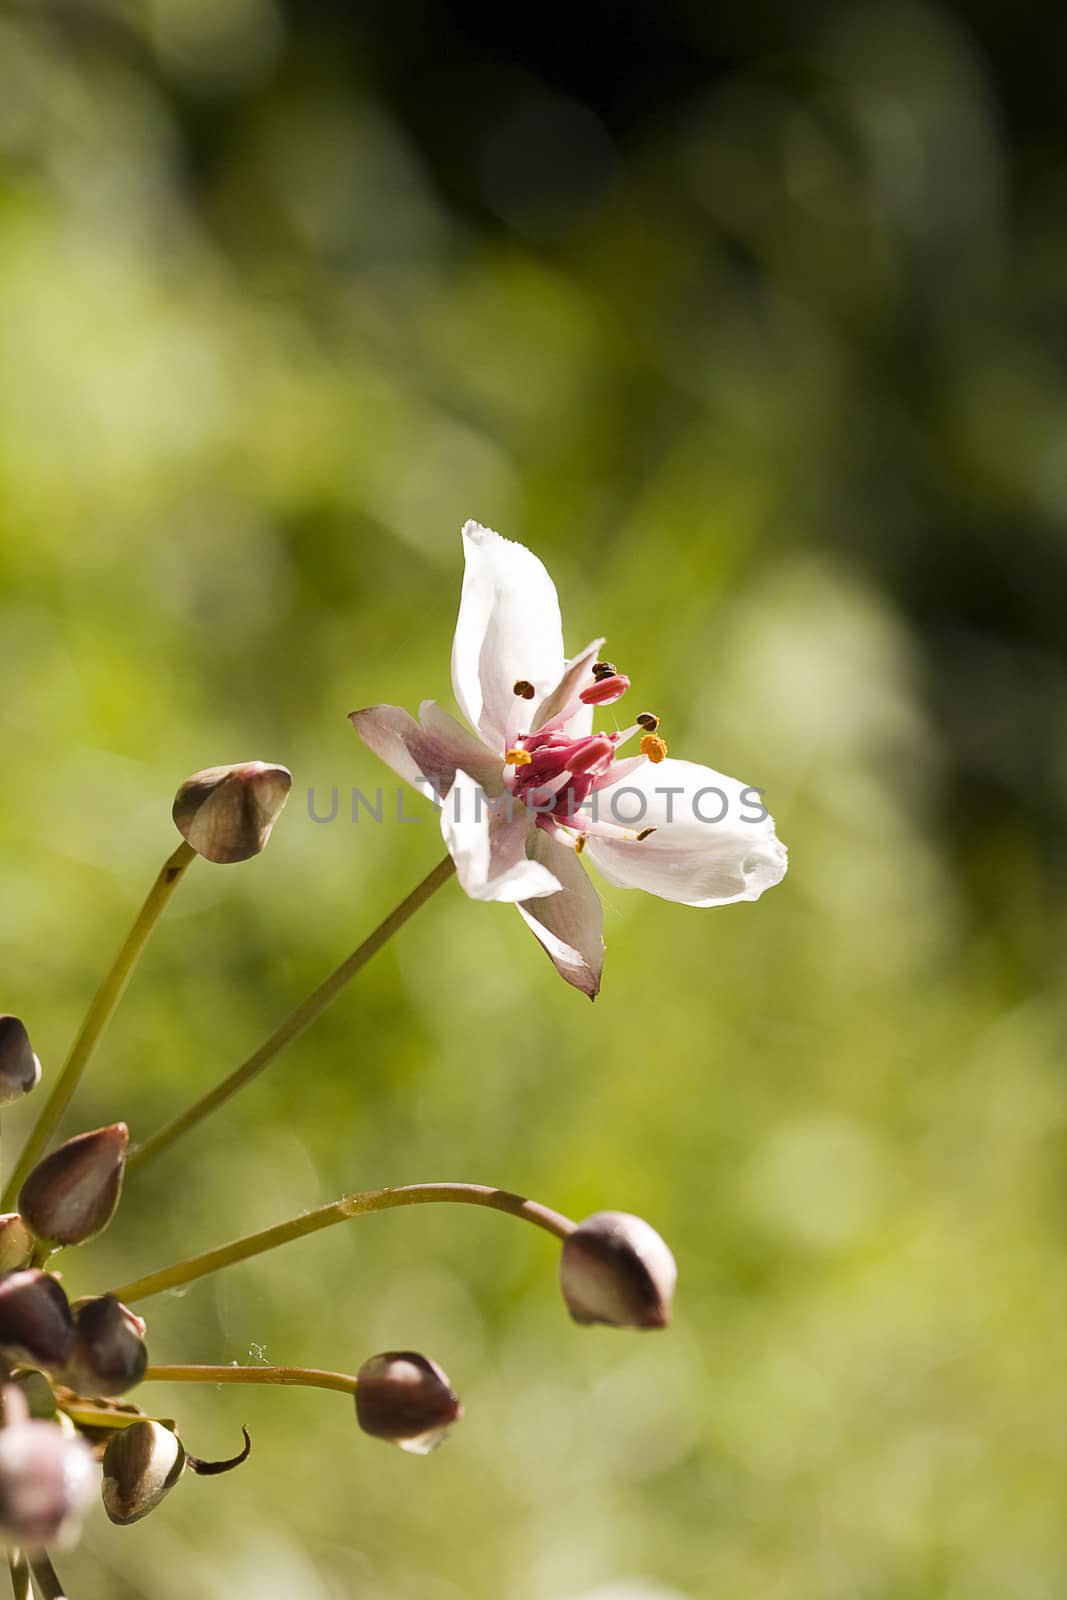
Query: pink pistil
point(605, 691)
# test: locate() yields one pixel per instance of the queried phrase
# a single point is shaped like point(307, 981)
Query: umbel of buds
point(108, 1355)
point(20, 1069)
point(36, 1326)
point(616, 1269)
point(47, 1478)
point(16, 1242)
point(142, 1463)
point(405, 1398)
point(72, 1194)
point(227, 813)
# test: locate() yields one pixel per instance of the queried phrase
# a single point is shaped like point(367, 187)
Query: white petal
point(691, 857)
point(487, 841)
point(508, 628)
point(426, 755)
point(567, 925)
point(566, 693)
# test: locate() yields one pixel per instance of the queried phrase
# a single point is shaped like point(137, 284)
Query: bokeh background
point(749, 319)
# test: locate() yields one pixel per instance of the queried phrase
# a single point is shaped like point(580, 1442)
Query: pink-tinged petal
point(695, 855)
point(563, 701)
point(487, 841)
point(568, 925)
point(509, 630)
point(426, 754)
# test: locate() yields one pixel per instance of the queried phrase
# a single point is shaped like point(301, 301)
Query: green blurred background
point(749, 320)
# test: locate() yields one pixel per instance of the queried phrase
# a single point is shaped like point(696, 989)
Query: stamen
point(580, 843)
point(654, 748)
point(644, 834)
point(524, 689)
point(648, 720)
point(517, 757)
point(603, 669)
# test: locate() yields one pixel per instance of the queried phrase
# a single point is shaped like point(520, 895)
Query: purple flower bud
point(20, 1070)
point(47, 1478)
point(142, 1463)
point(72, 1194)
point(227, 813)
point(616, 1269)
point(109, 1354)
point(36, 1326)
point(405, 1398)
point(16, 1242)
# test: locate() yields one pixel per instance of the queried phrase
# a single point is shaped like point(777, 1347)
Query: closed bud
point(20, 1070)
point(47, 1478)
point(36, 1326)
point(142, 1463)
point(109, 1355)
point(405, 1398)
point(227, 813)
point(616, 1269)
point(72, 1194)
point(16, 1242)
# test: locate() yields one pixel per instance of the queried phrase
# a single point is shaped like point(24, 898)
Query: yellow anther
point(654, 748)
point(517, 757)
point(580, 843)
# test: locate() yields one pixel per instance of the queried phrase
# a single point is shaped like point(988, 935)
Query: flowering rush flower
point(533, 788)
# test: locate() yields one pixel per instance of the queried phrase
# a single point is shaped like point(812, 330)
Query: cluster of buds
point(67, 1430)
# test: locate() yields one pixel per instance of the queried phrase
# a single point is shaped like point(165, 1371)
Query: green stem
point(20, 1574)
point(295, 1024)
point(351, 1205)
point(97, 1018)
point(45, 1577)
point(303, 1377)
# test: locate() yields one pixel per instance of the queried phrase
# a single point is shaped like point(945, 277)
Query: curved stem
point(45, 1577)
point(294, 1025)
point(99, 1014)
point(351, 1205)
point(302, 1377)
point(20, 1574)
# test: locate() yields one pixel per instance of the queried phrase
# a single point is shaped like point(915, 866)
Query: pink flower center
point(554, 774)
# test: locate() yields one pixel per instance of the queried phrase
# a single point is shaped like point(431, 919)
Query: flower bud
point(227, 813)
point(142, 1463)
point(72, 1194)
point(47, 1479)
point(109, 1354)
point(20, 1070)
point(405, 1398)
point(36, 1326)
point(616, 1269)
point(16, 1242)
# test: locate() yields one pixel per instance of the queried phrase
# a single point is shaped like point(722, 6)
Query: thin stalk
point(99, 1014)
point(45, 1577)
point(299, 1377)
point(350, 1205)
point(295, 1024)
point(20, 1574)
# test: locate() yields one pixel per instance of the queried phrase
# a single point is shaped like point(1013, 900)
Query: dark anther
point(644, 834)
point(648, 720)
point(603, 669)
point(524, 689)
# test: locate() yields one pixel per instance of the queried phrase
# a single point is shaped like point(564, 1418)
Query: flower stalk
point(349, 1206)
point(297, 1377)
point(297, 1021)
point(46, 1577)
point(20, 1574)
point(99, 1014)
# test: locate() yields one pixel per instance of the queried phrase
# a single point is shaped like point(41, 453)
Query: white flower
point(532, 787)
